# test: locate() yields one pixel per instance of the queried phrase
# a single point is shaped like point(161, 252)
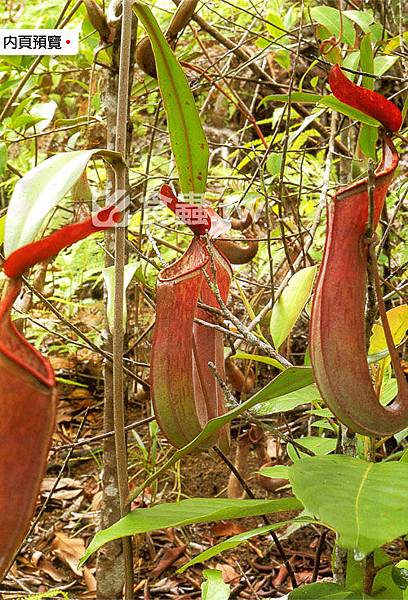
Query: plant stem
point(121, 185)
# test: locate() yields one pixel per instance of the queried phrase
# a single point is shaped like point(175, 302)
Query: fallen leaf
point(229, 574)
point(69, 550)
point(226, 528)
point(90, 580)
point(169, 557)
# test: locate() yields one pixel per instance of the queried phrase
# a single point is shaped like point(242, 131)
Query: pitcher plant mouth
point(185, 393)
point(337, 327)
point(28, 395)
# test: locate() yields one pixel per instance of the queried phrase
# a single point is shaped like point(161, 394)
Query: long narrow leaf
point(188, 141)
point(193, 510)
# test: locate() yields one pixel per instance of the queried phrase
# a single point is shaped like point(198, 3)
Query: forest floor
point(67, 512)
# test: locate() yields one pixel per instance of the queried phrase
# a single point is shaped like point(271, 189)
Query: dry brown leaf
point(169, 557)
point(90, 580)
point(69, 550)
point(226, 528)
point(47, 567)
point(229, 574)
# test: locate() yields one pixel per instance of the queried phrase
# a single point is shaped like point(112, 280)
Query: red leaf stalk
point(337, 328)
point(369, 102)
point(29, 255)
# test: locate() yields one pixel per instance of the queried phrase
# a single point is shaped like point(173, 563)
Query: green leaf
point(363, 18)
point(332, 102)
point(109, 278)
point(367, 61)
point(37, 193)
point(235, 541)
point(318, 445)
point(305, 395)
point(300, 97)
point(275, 472)
point(267, 360)
point(370, 498)
point(274, 163)
point(330, 18)
point(287, 309)
point(2, 221)
point(383, 63)
point(389, 390)
point(3, 158)
point(368, 140)
point(188, 141)
point(329, 591)
point(291, 379)
point(44, 111)
point(186, 512)
point(398, 322)
point(214, 587)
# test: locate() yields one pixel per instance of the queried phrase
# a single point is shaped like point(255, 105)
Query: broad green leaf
point(398, 321)
point(274, 163)
point(44, 111)
point(287, 309)
point(364, 502)
point(286, 382)
point(186, 512)
point(235, 541)
point(275, 472)
point(188, 141)
point(351, 61)
point(325, 591)
point(214, 587)
point(395, 42)
point(330, 18)
point(38, 192)
point(363, 18)
point(383, 63)
point(332, 102)
point(267, 360)
point(287, 402)
point(275, 25)
point(3, 158)
point(109, 278)
point(318, 445)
